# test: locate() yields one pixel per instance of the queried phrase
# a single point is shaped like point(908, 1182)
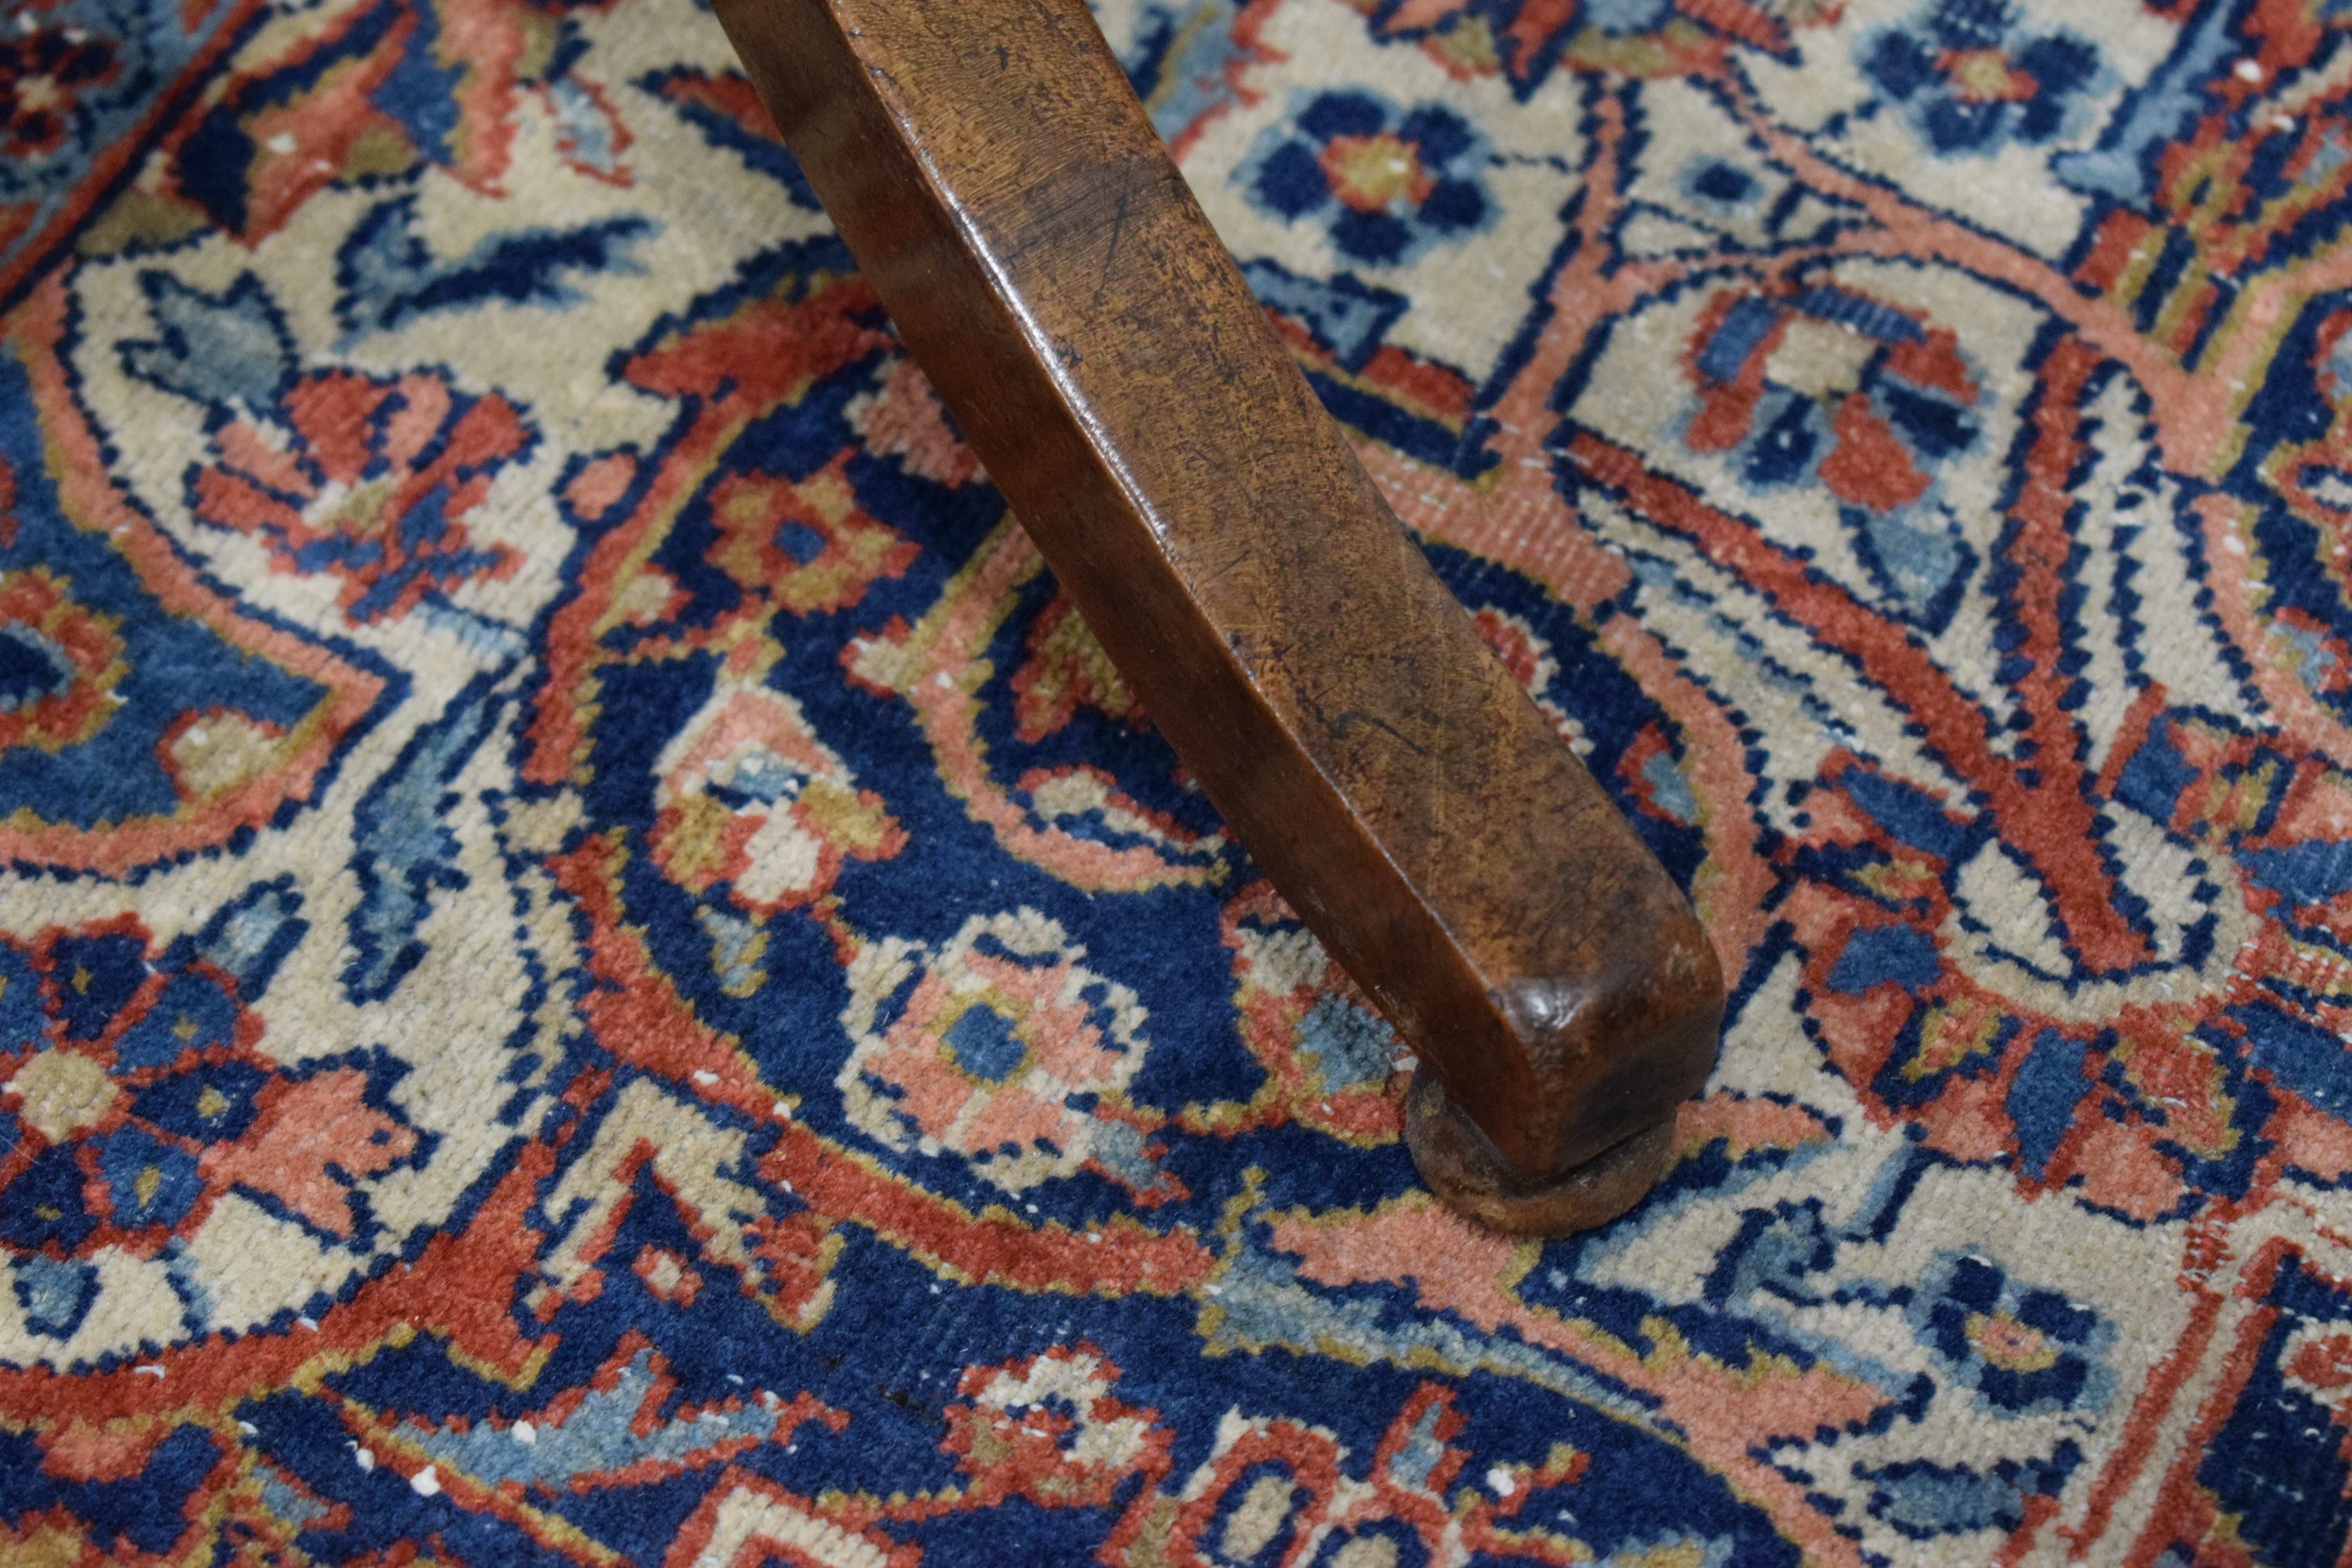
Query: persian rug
point(596, 969)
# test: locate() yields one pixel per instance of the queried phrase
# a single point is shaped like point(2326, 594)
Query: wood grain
point(988, 164)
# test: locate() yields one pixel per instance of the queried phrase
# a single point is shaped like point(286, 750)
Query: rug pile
point(595, 968)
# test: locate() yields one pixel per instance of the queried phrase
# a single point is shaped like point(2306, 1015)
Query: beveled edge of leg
point(1463, 1168)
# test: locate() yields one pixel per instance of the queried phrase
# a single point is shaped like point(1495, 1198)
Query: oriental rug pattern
point(594, 967)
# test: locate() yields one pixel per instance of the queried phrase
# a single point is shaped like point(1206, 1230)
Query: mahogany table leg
point(1002, 190)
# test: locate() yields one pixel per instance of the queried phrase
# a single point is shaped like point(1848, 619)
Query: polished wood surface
point(988, 164)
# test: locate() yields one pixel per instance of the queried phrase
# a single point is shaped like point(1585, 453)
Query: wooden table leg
point(989, 166)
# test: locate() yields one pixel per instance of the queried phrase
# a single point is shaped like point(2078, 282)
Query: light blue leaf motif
point(221, 350)
point(405, 851)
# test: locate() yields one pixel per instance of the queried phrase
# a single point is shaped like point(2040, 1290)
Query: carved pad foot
point(1462, 1167)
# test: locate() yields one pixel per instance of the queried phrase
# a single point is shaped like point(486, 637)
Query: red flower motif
point(805, 546)
point(133, 1094)
point(41, 77)
point(369, 479)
